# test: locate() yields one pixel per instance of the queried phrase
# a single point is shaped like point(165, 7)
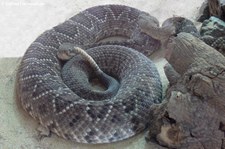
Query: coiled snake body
point(78, 115)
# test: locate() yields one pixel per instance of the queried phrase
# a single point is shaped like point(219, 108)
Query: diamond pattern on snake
point(102, 43)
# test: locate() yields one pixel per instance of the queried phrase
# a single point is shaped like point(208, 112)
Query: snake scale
point(79, 116)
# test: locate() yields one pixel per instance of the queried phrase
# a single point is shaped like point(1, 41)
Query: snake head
point(66, 51)
point(145, 19)
point(150, 25)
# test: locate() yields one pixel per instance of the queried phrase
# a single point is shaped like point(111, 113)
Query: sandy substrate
point(20, 23)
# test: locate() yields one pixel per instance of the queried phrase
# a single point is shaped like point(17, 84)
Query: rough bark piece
point(193, 115)
point(171, 74)
point(209, 8)
point(214, 8)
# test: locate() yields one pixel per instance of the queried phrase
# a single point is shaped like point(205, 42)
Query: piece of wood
point(215, 8)
point(193, 113)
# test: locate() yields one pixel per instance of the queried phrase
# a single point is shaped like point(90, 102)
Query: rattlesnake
point(44, 95)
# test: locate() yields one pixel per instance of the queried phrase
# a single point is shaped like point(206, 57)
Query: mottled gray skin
point(214, 30)
point(44, 95)
point(81, 84)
